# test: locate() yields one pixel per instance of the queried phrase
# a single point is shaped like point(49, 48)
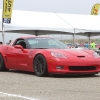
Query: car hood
point(71, 52)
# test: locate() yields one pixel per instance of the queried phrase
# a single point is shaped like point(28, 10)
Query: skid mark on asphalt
point(3, 94)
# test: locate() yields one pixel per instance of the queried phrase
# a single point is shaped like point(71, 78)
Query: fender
point(3, 49)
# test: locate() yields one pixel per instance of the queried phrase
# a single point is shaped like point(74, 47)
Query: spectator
point(9, 42)
point(86, 45)
point(93, 45)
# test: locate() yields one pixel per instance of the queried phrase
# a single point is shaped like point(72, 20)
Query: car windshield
point(46, 43)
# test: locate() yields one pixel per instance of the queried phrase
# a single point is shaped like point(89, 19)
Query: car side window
point(21, 42)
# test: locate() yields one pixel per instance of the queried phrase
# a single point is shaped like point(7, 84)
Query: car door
point(22, 60)
point(22, 55)
point(11, 56)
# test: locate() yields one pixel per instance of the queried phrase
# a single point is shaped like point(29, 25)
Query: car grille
point(82, 68)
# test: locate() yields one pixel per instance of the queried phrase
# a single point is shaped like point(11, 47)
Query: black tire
point(40, 66)
point(2, 64)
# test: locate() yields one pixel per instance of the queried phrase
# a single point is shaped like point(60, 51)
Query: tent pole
point(89, 34)
point(3, 33)
point(36, 33)
point(3, 25)
point(74, 38)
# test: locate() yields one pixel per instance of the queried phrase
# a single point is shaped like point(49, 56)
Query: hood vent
point(81, 56)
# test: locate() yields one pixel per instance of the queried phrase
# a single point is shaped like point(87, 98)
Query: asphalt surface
point(15, 85)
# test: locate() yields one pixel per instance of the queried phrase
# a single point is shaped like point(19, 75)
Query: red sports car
point(44, 55)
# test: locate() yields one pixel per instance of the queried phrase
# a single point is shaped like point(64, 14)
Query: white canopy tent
point(86, 25)
point(41, 23)
point(70, 23)
point(36, 23)
point(30, 22)
point(83, 23)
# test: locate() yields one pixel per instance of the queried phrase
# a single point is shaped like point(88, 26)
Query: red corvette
point(44, 55)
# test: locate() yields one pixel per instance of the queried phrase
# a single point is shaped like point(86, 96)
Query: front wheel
point(2, 64)
point(40, 66)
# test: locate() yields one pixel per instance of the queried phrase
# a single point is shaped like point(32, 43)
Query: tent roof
point(30, 22)
point(83, 24)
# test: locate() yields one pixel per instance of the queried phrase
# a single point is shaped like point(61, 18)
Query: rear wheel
point(40, 66)
point(2, 64)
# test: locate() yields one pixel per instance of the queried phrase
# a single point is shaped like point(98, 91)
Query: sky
point(59, 6)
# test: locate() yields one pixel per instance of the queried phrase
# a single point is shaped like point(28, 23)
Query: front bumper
point(66, 63)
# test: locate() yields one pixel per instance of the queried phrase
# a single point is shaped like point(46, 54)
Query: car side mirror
point(20, 47)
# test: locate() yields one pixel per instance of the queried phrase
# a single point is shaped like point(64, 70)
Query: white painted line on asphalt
point(3, 94)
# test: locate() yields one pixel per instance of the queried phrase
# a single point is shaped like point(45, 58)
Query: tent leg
point(3, 36)
point(74, 38)
point(89, 34)
point(36, 33)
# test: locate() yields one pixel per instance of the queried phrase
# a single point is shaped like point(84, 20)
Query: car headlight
point(58, 55)
point(96, 55)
